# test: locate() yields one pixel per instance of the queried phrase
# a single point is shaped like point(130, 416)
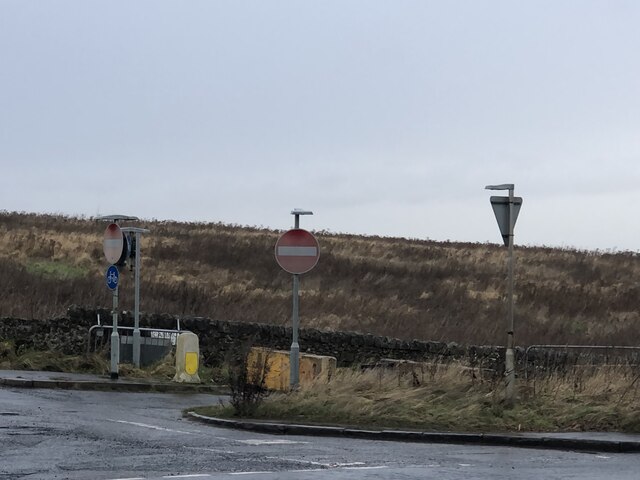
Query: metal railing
point(573, 347)
point(161, 332)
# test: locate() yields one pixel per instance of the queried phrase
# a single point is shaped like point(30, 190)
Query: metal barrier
point(573, 347)
point(157, 336)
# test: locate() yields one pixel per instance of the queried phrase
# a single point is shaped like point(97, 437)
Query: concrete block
point(273, 365)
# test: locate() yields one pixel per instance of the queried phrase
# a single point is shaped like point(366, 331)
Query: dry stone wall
point(218, 338)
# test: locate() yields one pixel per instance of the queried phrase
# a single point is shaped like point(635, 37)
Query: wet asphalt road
point(59, 434)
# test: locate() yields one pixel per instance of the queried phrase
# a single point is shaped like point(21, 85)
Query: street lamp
point(116, 218)
point(297, 212)
point(294, 355)
point(506, 211)
point(136, 309)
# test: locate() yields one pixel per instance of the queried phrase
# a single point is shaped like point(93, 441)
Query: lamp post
point(294, 355)
point(136, 309)
point(506, 210)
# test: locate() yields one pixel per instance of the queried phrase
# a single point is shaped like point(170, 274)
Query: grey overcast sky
point(383, 117)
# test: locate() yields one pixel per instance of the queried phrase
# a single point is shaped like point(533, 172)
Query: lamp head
point(116, 218)
point(300, 211)
point(503, 186)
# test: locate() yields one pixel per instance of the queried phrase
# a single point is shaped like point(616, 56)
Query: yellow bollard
point(187, 358)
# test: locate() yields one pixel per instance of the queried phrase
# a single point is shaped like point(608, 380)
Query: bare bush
point(247, 385)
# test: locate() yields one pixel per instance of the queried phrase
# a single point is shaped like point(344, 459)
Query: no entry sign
point(297, 251)
point(112, 243)
point(115, 245)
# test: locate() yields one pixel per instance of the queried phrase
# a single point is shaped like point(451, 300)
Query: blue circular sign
point(112, 277)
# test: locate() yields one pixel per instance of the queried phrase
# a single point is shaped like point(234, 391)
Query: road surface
point(60, 434)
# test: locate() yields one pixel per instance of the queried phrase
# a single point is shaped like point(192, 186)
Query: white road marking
point(311, 462)
point(365, 468)
point(131, 478)
point(295, 460)
point(257, 441)
point(193, 475)
point(268, 472)
point(465, 464)
point(153, 427)
point(249, 473)
point(215, 450)
point(603, 456)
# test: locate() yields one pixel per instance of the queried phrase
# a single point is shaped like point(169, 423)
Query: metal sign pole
point(506, 210)
point(115, 338)
point(510, 370)
point(297, 251)
point(294, 355)
point(136, 309)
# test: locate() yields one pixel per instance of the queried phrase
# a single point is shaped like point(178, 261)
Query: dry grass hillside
point(387, 286)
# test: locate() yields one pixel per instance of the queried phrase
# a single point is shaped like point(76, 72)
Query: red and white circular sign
point(113, 243)
point(297, 251)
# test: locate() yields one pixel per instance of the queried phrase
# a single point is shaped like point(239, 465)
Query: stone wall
point(69, 335)
point(218, 338)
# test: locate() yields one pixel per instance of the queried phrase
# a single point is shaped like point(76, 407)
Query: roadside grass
point(453, 400)
point(50, 361)
point(165, 370)
point(95, 363)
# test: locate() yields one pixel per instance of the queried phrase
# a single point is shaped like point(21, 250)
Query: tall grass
point(454, 397)
point(387, 286)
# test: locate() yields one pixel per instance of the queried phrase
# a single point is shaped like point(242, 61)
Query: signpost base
point(136, 347)
point(294, 364)
point(510, 377)
point(115, 338)
point(115, 354)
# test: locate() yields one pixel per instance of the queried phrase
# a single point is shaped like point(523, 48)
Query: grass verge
point(50, 361)
point(95, 363)
point(452, 398)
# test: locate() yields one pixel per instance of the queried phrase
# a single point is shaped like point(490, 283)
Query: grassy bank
point(453, 398)
point(396, 287)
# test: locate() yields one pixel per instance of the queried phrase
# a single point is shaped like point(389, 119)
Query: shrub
point(247, 388)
